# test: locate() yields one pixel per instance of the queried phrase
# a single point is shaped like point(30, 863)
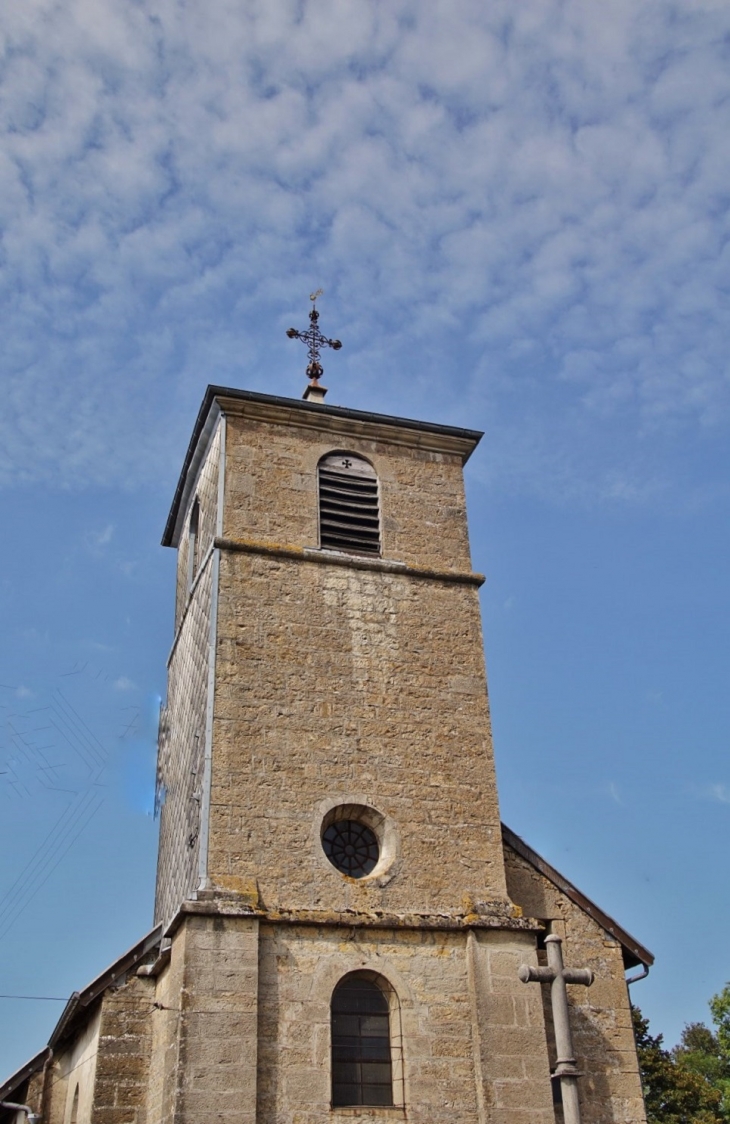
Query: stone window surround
point(358, 807)
point(396, 1049)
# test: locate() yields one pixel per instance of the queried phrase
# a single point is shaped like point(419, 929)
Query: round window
point(351, 847)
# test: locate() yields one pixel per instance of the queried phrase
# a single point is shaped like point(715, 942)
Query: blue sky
point(519, 215)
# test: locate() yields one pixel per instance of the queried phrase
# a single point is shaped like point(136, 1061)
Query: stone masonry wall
point(204, 1061)
point(164, 1076)
point(512, 1040)
point(73, 1067)
point(435, 1026)
point(180, 754)
point(123, 1059)
point(271, 492)
point(207, 494)
point(181, 744)
point(603, 1037)
point(339, 686)
point(33, 1096)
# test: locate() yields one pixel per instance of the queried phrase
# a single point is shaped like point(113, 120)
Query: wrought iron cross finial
point(314, 340)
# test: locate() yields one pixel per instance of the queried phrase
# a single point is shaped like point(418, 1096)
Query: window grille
point(352, 847)
point(362, 1070)
point(349, 518)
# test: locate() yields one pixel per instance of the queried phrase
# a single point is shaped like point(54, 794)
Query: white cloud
point(97, 539)
point(519, 213)
point(614, 793)
point(123, 684)
point(720, 793)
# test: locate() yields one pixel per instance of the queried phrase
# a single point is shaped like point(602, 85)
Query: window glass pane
point(348, 1073)
point(375, 1050)
point(361, 1062)
point(376, 1073)
point(359, 995)
point(376, 1094)
point(346, 1094)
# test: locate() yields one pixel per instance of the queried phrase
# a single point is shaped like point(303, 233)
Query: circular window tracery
point(351, 847)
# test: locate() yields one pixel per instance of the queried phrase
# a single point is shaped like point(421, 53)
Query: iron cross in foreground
point(558, 976)
point(314, 341)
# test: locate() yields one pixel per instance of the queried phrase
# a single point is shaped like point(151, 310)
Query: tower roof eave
point(293, 411)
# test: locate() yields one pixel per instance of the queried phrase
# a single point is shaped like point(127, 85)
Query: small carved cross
point(558, 976)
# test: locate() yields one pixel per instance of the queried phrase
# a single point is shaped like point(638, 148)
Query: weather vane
point(314, 340)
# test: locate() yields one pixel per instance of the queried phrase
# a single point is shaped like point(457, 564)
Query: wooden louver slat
point(349, 519)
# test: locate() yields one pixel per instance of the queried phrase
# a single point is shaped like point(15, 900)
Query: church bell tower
point(330, 832)
point(344, 933)
point(327, 668)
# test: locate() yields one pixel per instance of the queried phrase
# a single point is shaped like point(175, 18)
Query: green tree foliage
point(720, 1008)
point(701, 1052)
point(708, 1054)
point(674, 1092)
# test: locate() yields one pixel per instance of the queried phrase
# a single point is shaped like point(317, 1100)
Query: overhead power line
point(48, 998)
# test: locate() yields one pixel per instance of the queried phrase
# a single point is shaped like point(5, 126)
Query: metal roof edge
point(213, 392)
point(11, 1084)
point(81, 999)
point(168, 535)
point(630, 945)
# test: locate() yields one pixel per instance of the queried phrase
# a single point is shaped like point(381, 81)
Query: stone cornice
point(342, 422)
point(336, 420)
point(488, 915)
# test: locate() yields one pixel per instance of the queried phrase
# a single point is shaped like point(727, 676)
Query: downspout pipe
point(32, 1117)
point(633, 979)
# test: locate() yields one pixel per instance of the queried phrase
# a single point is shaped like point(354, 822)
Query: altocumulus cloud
point(519, 212)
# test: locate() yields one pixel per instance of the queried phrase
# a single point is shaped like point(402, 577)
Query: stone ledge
point(368, 1112)
point(487, 915)
point(351, 561)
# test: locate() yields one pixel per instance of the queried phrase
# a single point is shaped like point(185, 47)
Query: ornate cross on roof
point(558, 976)
point(315, 341)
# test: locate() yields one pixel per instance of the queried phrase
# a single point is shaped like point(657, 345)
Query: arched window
point(349, 518)
point(73, 1119)
point(362, 1068)
point(193, 528)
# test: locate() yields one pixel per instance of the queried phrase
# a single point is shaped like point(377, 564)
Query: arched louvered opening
point(362, 1066)
point(349, 516)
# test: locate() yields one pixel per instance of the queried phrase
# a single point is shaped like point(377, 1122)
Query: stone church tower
point(340, 916)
